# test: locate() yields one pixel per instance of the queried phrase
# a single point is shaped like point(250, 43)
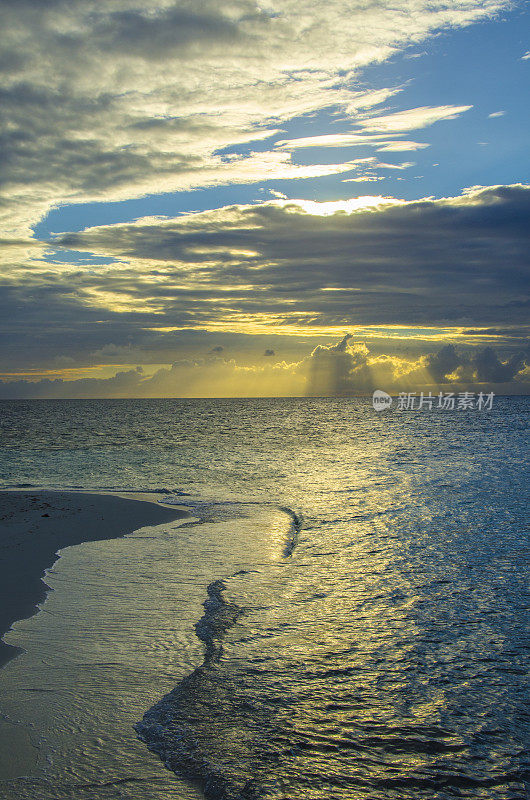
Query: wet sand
point(34, 525)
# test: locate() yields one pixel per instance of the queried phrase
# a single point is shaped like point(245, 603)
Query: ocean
point(344, 614)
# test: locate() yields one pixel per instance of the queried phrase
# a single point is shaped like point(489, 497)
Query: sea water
point(343, 615)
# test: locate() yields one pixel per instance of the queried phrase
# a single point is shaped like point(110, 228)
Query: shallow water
point(378, 653)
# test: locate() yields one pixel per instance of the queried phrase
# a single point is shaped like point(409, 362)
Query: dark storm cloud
point(490, 369)
point(458, 262)
point(481, 365)
point(432, 261)
point(346, 368)
point(522, 332)
point(443, 363)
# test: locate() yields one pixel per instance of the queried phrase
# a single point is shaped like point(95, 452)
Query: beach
point(35, 525)
point(76, 611)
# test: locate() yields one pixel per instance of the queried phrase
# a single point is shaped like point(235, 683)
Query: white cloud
point(412, 119)
point(497, 114)
point(329, 140)
point(363, 179)
point(107, 101)
point(402, 147)
point(403, 165)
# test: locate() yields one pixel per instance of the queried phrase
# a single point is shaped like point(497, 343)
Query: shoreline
point(36, 524)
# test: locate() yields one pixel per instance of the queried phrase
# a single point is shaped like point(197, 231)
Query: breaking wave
point(179, 727)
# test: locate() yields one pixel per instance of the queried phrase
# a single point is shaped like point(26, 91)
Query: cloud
point(481, 366)
point(184, 378)
point(514, 332)
point(497, 114)
point(526, 56)
point(401, 147)
point(106, 101)
point(346, 368)
point(333, 367)
point(340, 369)
point(273, 263)
point(269, 353)
point(376, 130)
point(412, 119)
point(489, 368)
point(278, 267)
point(443, 363)
point(403, 165)
point(217, 349)
point(64, 361)
point(363, 179)
point(329, 140)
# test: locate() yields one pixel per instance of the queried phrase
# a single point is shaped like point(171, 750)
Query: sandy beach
point(35, 525)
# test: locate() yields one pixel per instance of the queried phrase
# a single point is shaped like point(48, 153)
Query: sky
point(212, 199)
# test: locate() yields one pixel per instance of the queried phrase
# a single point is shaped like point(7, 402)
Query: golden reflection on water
point(378, 661)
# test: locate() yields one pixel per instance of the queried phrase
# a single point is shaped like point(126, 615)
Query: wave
point(219, 616)
point(176, 727)
point(297, 521)
point(216, 511)
point(166, 728)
